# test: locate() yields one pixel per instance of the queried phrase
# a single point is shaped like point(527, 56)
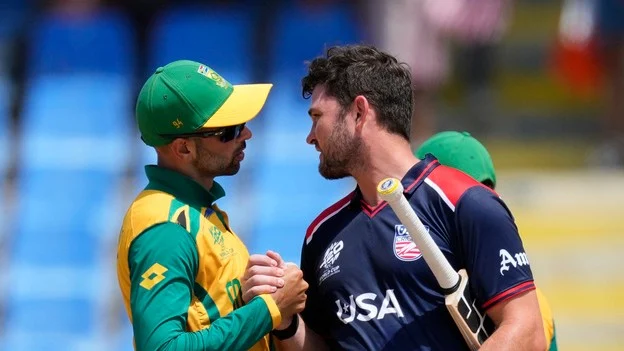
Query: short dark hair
point(352, 70)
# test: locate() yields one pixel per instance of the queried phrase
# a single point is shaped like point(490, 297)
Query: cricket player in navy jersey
point(370, 288)
point(462, 151)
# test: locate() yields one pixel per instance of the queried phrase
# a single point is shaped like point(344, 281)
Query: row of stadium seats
point(221, 36)
point(77, 141)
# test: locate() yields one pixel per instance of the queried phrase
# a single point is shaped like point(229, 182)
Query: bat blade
point(474, 326)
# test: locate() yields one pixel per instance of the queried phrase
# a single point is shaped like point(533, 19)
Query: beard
point(210, 164)
point(342, 151)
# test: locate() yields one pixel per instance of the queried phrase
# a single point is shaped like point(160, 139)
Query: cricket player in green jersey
point(462, 151)
point(181, 267)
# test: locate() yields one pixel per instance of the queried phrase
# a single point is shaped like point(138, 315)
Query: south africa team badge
point(404, 248)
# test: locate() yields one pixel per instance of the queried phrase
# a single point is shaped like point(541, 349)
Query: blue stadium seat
point(100, 43)
point(219, 37)
point(77, 121)
point(48, 342)
point(124, 339)
point(13, 14)
point(61, 215)
point(74, 151)
point(146, 156)
point(289, 194)
point(74, 148)
point(302, 33)
point(78, 98)
point(54, 304)
point(290, 191)
point(51, 315)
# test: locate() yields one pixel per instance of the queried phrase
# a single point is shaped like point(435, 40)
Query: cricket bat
point(474, 326)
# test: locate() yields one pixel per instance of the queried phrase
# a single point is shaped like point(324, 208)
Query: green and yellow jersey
point(547, 321)
point(179, 266)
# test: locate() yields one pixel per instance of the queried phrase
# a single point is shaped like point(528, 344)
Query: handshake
point(269, 274)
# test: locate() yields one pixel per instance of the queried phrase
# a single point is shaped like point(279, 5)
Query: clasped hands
point(269, 274)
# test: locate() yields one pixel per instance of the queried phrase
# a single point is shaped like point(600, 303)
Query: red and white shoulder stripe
point(327, 214)
point(450, 184)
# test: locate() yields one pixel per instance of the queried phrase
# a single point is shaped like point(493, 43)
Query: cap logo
point(177, 123)
point(207, 72)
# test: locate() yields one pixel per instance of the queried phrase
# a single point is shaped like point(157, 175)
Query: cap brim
point(242, 105)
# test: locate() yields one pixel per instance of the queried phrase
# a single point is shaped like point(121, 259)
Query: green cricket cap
point(186, 96)
point(462, 151)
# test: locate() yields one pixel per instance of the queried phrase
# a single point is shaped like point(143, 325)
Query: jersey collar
point(412, 179)
point(415, 176)
point(182, 187)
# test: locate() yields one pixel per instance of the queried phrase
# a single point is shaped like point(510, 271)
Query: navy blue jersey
point(370, 288)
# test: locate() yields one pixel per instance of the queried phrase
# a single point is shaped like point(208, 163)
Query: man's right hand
point(263, 275)
point(269, 274)
point(291, 298)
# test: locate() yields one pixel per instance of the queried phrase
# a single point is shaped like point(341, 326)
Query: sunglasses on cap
point(226, 134)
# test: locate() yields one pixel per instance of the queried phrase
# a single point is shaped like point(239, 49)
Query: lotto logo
point(153, 276)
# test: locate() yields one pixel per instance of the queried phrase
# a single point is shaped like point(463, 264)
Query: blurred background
point(540, 82)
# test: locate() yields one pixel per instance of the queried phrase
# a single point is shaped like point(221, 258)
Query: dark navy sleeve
point(491, 248)
point(311, 314)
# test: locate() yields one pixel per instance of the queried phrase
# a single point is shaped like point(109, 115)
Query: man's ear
point(361, 108)
point(182, 148)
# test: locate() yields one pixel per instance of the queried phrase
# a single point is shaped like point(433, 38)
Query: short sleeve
point(491, 248)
